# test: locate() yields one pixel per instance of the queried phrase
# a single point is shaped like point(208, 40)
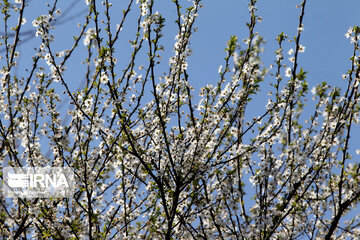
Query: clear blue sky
point(326, 22)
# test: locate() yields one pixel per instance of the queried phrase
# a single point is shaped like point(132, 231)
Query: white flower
point(357, 151)
point(301, 48)
point(313, 91)
point(288, 72)
point(35, 23)
point(60, 54)
point(144, 9)
point(353, 40)
point(132, 98)
point(349, 32)
point(88, 102)
point(104, 79)
point(300, 29)
point(90, 34)
point(87, 2)
point(23, 21)
point(184, 65)
point(291, 51)
point(220, 68)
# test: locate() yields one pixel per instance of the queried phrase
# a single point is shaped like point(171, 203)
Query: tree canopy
point(155, 159)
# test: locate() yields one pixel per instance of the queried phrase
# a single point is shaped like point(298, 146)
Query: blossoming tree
point(152, 162)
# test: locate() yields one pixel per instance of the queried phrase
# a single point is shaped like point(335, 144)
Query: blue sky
point(327, 50)
point(325, 23)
